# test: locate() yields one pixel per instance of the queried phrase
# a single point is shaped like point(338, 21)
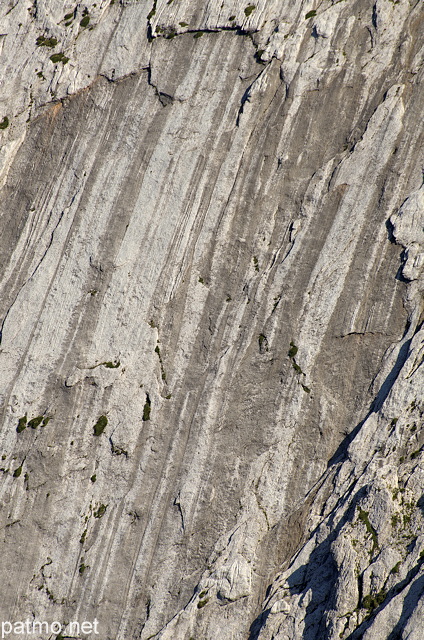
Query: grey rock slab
point(203, 288)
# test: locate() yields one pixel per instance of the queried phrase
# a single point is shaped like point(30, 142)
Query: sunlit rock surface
point(212, 260)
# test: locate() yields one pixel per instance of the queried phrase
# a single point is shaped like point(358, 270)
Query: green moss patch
point(296, 367)
point(59, 57)
point(147, 408)
point(22, 424)
point(293, 350)
point(100, 512)
point(100, 426)
point(42, 41)
point(153, 11)
point(111, 365)
point(35, 422)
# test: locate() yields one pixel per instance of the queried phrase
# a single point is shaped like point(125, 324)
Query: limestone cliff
point(211, 316)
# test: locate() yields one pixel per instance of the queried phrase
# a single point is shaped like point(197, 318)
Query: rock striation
point(211, 318)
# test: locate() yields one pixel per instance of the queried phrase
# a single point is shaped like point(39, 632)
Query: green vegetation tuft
point(147, 408)
point(4, 123)
point(395, 569)
point(93, 478)
point(153, 11)
point(157, 350)
point(263, 343)
point(35, 422)
point(42, 41)
point(199, 34)
point(17, 472)
point(84, 22)
point(370, 602)
point(22, 424)
point(363, 517)
point(111, 365)
point(297, 368)
point(395, 520)
point(249, 10)
point(100, 426)
point(59, 57)
point(100, 512)
point(202, 603)
point(293, 350)
point(310, 14)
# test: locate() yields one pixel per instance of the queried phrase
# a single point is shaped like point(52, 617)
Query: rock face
point(211, 318)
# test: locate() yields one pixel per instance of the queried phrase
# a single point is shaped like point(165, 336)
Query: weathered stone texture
point(212, 221)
